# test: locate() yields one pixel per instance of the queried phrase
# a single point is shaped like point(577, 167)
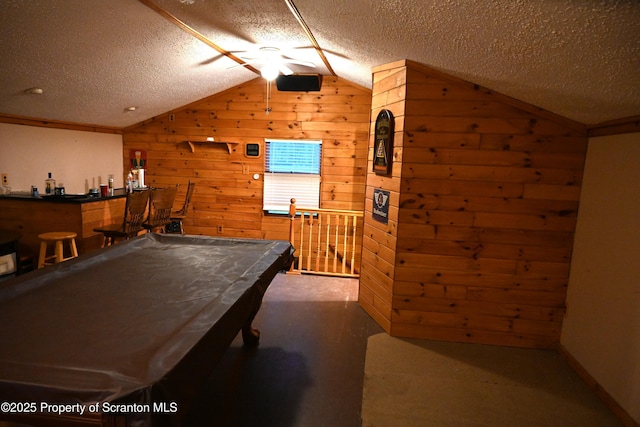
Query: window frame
point(273, 204)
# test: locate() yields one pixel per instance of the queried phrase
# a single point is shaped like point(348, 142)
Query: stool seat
point(57, 235)
point(57, 238)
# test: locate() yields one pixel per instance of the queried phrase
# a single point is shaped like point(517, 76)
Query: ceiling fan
point(271, 62)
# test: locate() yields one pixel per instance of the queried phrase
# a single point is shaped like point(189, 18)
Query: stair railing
point(327, 241)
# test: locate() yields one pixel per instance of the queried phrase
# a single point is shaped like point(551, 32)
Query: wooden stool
point(56, 237)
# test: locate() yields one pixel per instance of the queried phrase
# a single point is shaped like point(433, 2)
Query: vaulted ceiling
point(93, 59)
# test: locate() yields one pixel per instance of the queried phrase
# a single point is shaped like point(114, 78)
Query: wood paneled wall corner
point(228, 200)
point(486, 192)
point(377, 279)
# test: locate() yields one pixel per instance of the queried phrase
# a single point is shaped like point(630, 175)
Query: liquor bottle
point(49, 185)
point(130, 183)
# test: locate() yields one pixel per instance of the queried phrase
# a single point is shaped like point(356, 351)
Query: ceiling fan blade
point(244, 64)
point(285, 70)
point(298, 62)
point(269, 55)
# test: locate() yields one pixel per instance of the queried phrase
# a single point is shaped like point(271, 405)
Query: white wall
point(602, 327)
point(80, 160)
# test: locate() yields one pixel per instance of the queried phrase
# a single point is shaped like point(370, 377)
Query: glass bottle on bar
point(49, 185)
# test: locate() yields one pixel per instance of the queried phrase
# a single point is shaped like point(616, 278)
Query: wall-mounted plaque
point(138, 159)
point(381, 205)
point(383, 143)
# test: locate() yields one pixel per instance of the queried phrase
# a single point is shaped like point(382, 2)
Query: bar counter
point(78, 213)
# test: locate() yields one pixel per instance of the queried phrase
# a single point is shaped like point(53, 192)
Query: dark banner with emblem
point(380, 205)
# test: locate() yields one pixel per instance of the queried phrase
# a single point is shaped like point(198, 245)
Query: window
point(292, 170)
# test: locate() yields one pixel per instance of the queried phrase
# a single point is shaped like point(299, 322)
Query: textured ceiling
point(95, 58)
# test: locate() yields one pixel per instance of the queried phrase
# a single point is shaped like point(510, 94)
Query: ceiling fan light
point(270, 72)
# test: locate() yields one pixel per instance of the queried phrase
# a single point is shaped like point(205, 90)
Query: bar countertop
point(77, 213)
point(66, 198)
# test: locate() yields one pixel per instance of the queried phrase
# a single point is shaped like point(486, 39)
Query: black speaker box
point(299, 83)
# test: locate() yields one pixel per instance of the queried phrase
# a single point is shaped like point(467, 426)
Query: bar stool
point(160, 205)
point(57, 238)
point(176, 226)
point(135, 209)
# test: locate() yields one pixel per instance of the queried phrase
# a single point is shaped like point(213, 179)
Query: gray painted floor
point(309, 370)
point(420, 382)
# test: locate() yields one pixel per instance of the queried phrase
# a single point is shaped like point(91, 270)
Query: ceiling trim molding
point(615, 127)
point(195, 33)
point(310, 36)
point(55, 124)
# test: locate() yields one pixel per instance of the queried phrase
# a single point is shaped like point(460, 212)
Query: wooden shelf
point(192, 144)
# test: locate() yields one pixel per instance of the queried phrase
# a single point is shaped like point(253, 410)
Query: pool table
point(129, 331)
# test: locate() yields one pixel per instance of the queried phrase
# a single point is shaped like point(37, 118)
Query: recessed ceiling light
point(34, 91)
point(130, 109)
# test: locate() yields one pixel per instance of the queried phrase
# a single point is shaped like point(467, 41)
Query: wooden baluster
point(336, 239)
point(310, 241)
point(327, 246)
point(345, 244)
point(353, 244)
point(319, 249)
point(292, 217)
point(301, 252)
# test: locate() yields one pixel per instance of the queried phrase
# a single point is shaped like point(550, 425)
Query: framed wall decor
point(383, 143)
point(138, 159)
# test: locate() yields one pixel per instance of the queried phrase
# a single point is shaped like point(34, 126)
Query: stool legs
point(59, 251)
point(74, 248)
point(43, 254)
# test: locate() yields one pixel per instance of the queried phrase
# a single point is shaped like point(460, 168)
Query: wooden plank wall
point(484, 195)
point(227, 200)
point(379, 240)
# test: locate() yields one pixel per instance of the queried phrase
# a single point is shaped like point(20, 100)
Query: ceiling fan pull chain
point(268, 109)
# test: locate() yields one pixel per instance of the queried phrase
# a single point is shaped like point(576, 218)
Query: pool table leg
point(250, 335)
